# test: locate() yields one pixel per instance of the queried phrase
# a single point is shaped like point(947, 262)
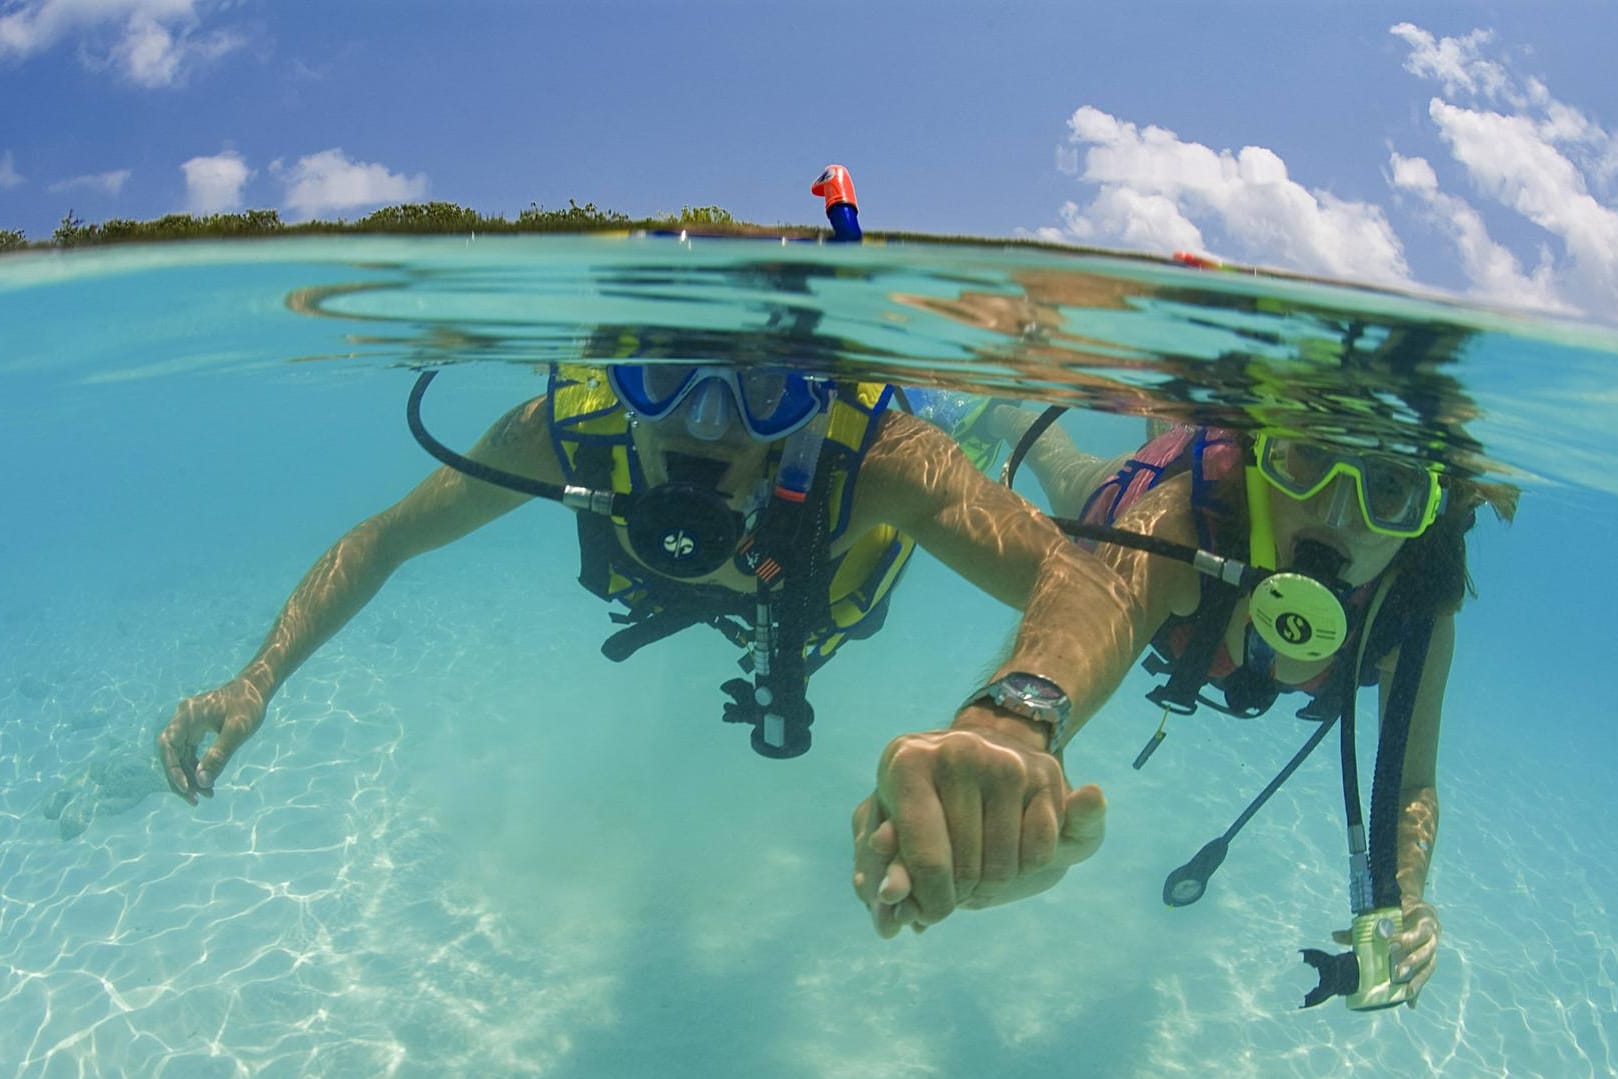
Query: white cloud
point(1494, 271)
point(9, 177)
point(329, 181)
point(1457, 62)
point(101, 183)
point(1540, 158)
point(1508, 138)
point(213, 185)
point(152, 43)
point(1154, 187)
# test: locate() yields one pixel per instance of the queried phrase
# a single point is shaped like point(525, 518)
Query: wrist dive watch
point(1033, 697)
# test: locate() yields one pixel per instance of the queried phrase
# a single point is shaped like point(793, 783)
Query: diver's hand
point(967, 818)
point(883, 883)
point(232, 712)
point(1413, 954)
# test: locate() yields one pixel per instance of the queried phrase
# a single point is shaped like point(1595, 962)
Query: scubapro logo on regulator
point(1294, 628)
point(679, 544)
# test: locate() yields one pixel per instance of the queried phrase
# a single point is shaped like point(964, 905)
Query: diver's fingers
point(964, 808)
point(895, 885)
point(884, 839)
point(867, 815)
point(1040, 832)
point(178, 752)
point(1084, 823)
point(885, 919)
point(924, 846)
point(238, 726)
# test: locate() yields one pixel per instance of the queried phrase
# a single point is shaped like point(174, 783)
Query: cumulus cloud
point(1153, 187)
point(1512, 147)
point(152, 43)
point(1522, 149)
point(329, 181)
point(9, 177)
point(100, 183)
point(213, 185)
point(1492, 268)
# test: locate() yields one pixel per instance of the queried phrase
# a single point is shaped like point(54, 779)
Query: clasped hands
point(969, 817)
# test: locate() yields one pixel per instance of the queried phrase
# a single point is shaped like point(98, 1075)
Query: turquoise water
point(464, 843)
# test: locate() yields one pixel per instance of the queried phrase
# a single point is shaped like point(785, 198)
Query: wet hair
point(1432, 568)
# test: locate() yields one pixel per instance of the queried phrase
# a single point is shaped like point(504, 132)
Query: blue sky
point(1464, 145)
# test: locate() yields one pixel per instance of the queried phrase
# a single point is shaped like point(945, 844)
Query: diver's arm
point(444, 507)
point(1415, 949)
point(1082, 624)
point(1418, 820)
point(1066, 474)
point(441, 509)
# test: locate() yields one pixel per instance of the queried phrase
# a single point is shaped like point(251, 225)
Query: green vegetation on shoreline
point(422, 218)
point(449, 219)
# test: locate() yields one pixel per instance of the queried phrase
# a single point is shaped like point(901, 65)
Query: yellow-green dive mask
point(1396, 497)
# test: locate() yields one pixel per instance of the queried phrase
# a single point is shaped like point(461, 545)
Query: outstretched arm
point(444, 507)
point(1414, 952)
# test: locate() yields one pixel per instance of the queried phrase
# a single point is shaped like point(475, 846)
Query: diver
point(776, 508)
point(1268, 563)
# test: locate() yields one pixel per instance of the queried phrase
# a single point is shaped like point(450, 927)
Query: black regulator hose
point(1388, 780)
point(461, 463)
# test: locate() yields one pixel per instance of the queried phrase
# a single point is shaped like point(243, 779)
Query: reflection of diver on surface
point(1305, 567)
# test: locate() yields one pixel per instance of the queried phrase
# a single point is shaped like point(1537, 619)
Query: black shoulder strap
point(597, 537)
point(1188, 673)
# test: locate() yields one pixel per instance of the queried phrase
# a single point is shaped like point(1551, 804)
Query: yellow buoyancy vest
point(590, 431)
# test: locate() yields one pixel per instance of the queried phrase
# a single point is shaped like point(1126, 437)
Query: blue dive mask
point(769, 402)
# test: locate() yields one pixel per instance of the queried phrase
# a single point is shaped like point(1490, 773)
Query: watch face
point(1031, 687)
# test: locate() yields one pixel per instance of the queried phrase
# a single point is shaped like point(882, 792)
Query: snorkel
point(775, 704)
point(842, 208)
point(778, 710)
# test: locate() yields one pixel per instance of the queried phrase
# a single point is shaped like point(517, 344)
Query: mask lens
point(1396, 493)
point(762, 392)
point(1298, 468)
point(664, 384)
point(771, 403)
point(650, 391)
point(776, 403)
